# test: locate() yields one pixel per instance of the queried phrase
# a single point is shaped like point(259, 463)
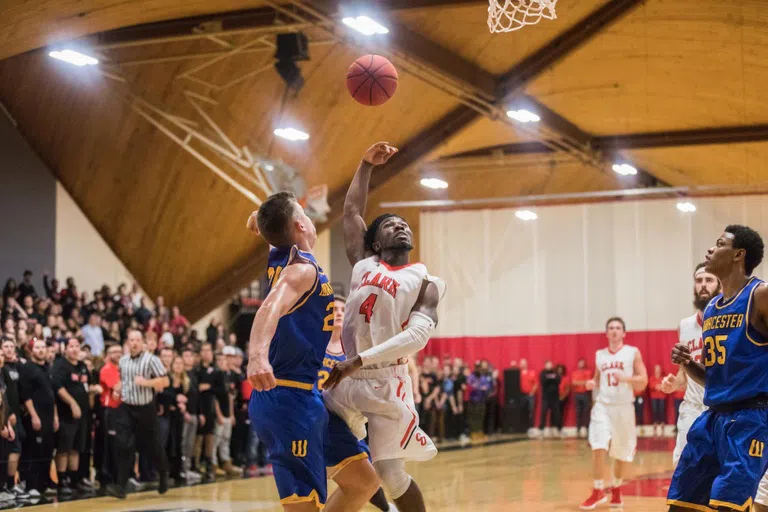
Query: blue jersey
point(297, 349)
point(329, 361)
point(735, 355)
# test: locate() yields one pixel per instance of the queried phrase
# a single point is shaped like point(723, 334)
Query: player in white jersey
point(391, 312)
point(705, 286)
point(619, 370)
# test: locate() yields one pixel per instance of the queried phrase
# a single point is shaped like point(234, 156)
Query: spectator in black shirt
point(51, 288)
point(70, 378)
point(240, 427)
point(550, 396)
point(224, 425)
point(11, 290)
point(192, 417)
point(11, 449)
point(174, 401)
point(143, 314)
point(211, 333)
point(211, 385)
point(40, 421)
point(26, 288)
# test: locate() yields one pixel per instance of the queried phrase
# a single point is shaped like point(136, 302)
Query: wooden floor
point(525, 476)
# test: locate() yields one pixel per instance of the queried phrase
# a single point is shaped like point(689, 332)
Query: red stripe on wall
point(567, 349)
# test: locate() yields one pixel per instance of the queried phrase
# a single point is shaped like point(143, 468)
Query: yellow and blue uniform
point(723, 462)
point(291, 419)
point(341, 445)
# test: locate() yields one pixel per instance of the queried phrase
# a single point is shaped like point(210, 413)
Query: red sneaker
point(598, 497)
point(616, 501)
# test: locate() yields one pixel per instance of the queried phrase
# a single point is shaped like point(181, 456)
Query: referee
point(141, 376)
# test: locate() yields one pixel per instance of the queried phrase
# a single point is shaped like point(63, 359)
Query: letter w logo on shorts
point(756, 448)
point(299, 448)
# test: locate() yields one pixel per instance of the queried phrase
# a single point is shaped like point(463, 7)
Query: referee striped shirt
point(146, 365)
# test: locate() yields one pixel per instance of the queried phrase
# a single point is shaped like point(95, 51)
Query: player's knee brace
point(394, 479)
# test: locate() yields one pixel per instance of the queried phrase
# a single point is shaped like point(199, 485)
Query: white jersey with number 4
point(689, 334)
point(611, 365)
point(380, 301)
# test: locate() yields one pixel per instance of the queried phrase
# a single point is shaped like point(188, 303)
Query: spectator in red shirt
point(581, 397)
point(529, 386)
point(109, 378)
point(177, 321)
point(658, 400)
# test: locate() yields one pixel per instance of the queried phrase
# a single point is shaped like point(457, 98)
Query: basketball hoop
point(511, 15)
point(316, 203)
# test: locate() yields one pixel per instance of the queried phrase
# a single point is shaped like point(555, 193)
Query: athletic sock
point(379, 500)
point(62, 475)
point(599, 485)
point(10, 481)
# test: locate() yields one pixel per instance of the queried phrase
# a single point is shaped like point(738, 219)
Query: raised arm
point(421, 323)
point(294, 281)
point(357, 198)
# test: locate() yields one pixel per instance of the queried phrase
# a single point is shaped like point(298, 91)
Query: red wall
point(567, 349)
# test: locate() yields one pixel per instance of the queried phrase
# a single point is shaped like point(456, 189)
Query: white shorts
point(762, 491)
point(688, 414)
point(383, 398)
point(613, 427)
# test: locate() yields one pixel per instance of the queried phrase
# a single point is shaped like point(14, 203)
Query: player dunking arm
point(619, 369)
point(391, 313)
point(705, 286)
point(288, 339)
point(723, 462)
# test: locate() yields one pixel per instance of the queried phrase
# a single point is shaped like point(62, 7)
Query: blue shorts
point(341, 446)
point(723, 462)
point(292, 423)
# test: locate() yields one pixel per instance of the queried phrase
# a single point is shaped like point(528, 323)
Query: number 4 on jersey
point(366, 308)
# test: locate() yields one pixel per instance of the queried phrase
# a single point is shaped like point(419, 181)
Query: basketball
point(372, 80)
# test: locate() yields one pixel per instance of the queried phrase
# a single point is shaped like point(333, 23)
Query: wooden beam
point(514, 80)
point(680, 138)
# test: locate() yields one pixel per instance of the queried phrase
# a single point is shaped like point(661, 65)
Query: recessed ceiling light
point(526, 215)
point(73, 57)
point(269, 167)
point(434, 183)
point(624, 169)
point(523, 116)
point(291, 134)
point(686, 207)
point(365, 25)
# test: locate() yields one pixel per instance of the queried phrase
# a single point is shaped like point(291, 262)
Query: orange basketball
point(372, 80)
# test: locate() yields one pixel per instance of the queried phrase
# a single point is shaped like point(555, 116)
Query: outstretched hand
point(379, 153)
point(341, 371)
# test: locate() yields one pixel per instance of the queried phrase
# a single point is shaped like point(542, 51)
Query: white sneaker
point(34, 493)
point(392, 507)
point(19, 493)
point(6, 496)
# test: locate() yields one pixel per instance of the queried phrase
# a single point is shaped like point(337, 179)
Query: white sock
point(599, 485)
point(617, 483)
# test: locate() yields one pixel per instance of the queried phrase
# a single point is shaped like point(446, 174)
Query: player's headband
point(730, 236)
point(700, 271)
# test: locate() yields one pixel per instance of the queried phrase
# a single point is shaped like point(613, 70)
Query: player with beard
point(705, 286)
point(392, 311)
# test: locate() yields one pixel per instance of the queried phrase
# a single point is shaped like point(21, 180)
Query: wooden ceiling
point(653, 82)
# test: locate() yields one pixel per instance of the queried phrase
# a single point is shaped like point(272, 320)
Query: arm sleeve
point(408, 342)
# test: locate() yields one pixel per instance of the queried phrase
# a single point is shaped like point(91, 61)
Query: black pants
point(104, 445)
point(491, 408)
point(136, 428)
point(551, 405)
point(658, 408)
point(239, 443)
point(173, 445)
point(583, 403)
point(84, 468)
point(563, 404)
point(529, 402)
point(37, 453)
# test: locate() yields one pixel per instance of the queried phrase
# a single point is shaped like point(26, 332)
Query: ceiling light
point(73, 57)
point(624, 169)
point(434, 183)
point(291, 134)
point(686, 207)
point(526, 215)
point(365, 25)
point(523, 116)
point(269, 167)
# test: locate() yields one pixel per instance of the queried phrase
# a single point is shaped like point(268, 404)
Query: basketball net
point(511, 15)
point(315, 203)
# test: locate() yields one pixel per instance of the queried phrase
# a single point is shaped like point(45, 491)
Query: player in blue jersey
point(334, 354)
point(723, 462)
point(288, 339)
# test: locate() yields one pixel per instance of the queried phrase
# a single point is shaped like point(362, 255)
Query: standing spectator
point(451, 411)
point(232, 340)
point(178, 321)
point(639, 409)
point(658, 401)
point(550, 397)
point(565, 390)
point(429, 390)
point(70, 378)
point(26, 288)
point(143, 314)
point(137, 298)
point(437, 425)
point(93, 335)
point(492, 401)
point(529, 386)
point(166, 400)
point(11, 290)
point(141, 376)
point(174, 402)
point(51, 288)
point(223, 429)
point(11, 448)
point(211, 385)
point(212, 332)
point(191, 417)
point(236, 377)
point(161, 311)
point(109, 378)
point(41, 420)
point(582, 398)
point(479, 385)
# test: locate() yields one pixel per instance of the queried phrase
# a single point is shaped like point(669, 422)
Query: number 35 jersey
point(735, 355)
point(380, 301)
point(612, 365)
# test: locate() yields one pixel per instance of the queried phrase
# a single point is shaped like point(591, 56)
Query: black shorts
point(72, 435)
point(210, 424)
point(7, 447)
